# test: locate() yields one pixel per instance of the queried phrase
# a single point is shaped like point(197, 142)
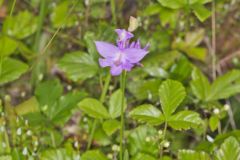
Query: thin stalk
point(213, 51)
point(122, 85)
point(164, 134)
point(102, 98)
point(40, 24)
point(12, 8)
point(53, 140)
point(188, 16)
point(113, 10)
point(6, 138)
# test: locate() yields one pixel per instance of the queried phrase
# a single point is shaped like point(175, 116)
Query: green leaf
point(200, 84)
point(225, 86)
point(138, 144)
point(147, 113)
point(195, 38)
point(20, 26)
point(184, 120)
point(28, 106)
point(5, 157)
point(111, 126)
point(115, 104)
point(171, 95)
point(8, 46)
point(152, 10)
point(62, 112)
point(93, 154)
point(59, 154)
point(192, 155)
point(47, 93)
point(78, 66)
point(11, 70)
point(213, 123)
point(176, 4)
point(143, 156)
point(147, 89)
point(201, 12)
point(230, 149)
point(93, 108)
point(60, 16)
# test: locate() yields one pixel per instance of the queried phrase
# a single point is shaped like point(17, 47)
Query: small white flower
point(23, 94)
point(110, 156)
point(216, 111)
point(209, 138)
point(166, 144)
point(25, 151)
point(40, 77)
point(147, 139)
point(69, 87)
point(2, 128)
point(226, 107)
point(19, 131)
point(160, 132)
point(29, 132)
point(115, 147)
point(76, 145)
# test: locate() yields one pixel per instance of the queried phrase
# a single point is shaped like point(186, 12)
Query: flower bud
point(216, 111)
point(110, 156)
point(19, 131)
point(25, 151)
point(147, 139)
point(166, 144)
point(226, 107)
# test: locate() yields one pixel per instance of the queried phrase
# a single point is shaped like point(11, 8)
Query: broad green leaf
point(137, 141)
point(213, 123)
point(192, 155)
point(20, 26)
point(59, 154)
point(37, 119)
point(147, 89)
point(168, 16)
point(230, 149)
point(152, 10)
point(60, 16)
point(47, 93)
point(28, 106)
point(5, 157)
point(93, 108)
point(78, 66)
point(181, 70)
point(115, 104)
point(93, 154)
point(62, 112)
point(143, 156)
point(184, 120)
point(147, 113)
point(200, 84)
point(171, 94)
point(201, 12)
point(8, 46)
point(225, 86)
point(111, 126)
point(176, 4)
point(195, 38)
point(11, 70)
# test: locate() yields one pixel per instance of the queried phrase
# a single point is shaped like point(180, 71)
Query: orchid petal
point(105, 62)
point(134, 55)
point(116, 70)
point(107, 50)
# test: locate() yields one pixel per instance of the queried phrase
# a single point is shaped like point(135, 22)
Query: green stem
point(40, 24)
point(102, 98)
point(122, 85)
point(53, 140)
point(12, 8)
point(164, 134)
point(113, 10)
point(6, 138)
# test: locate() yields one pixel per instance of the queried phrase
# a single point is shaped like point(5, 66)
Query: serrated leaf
point(147, 113)
point(93, 154)
point(201, 12)
point(225, 86)
point(93, 108)
point(78, 66)
point(230, 149)
point(47, 93)
point(184, 120)
point(200, 84)
point(8, 46)
point(192, 155)
point(20, 26)
point(110, 126)
point(11, 70)
point(115, 104)
point(171, 94)
point(213, 123)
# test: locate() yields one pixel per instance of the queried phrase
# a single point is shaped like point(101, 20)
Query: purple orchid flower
point(124, 56)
